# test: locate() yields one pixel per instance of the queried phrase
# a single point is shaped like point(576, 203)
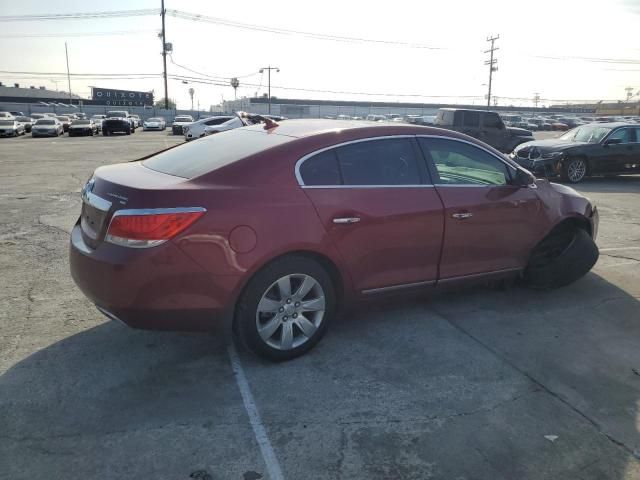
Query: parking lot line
point(269, 456)
point(613, 249)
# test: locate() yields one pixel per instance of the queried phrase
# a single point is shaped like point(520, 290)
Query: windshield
point(63, 119)
point(586, 134)
point(154, 119)
point(184, 119)
point(116, 114)
point(81, 122)
point(5, 123)
point(46, 122)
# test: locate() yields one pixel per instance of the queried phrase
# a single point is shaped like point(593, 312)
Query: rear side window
point(623, 134)
point(321, 169)
point(217, 121)
point(379, 162)
point(471, 119)
point(210, 153)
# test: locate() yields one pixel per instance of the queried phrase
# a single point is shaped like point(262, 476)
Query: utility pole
point(269, 68)
point(536, 99)
point(191, 92)
point(629, 91)
point(164, 57)
point(491, 62)
point(66, 52)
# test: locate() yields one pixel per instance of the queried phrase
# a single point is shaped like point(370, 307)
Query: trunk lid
point(130, 186)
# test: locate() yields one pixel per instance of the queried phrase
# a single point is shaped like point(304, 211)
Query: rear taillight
point(150, 227)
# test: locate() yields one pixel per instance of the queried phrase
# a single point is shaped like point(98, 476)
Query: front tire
point(285, 308)
point(561, 258)
point(574, 170)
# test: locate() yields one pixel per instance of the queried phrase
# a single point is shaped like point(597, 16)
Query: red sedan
point(277, 226)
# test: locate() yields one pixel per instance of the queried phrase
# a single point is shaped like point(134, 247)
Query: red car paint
point(257, 211)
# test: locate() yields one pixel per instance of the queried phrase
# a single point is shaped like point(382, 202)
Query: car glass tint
point(379, 162)
point(321, 169)
point(471, 119)
point(621, 134)
point(217, 121)
point(590, 134)
point(45, 122)
point(210, 153)
point(492, 120)
point(459, 163)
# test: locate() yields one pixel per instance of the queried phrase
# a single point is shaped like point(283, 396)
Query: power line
point(208, 75)
point(79, 15)
point(79, 34)
point(285, 31)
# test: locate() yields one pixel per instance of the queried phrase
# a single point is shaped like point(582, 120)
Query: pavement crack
point(620, 256)
point(47, 225)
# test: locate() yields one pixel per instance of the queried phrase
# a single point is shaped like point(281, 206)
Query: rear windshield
point(210, 153)
point(116, 114)
point(81, 122)
point(184, 119)
point(154, 119)
point(45, 122)
point(63, 119)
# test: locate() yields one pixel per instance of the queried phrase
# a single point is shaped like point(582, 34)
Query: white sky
point(569, 28)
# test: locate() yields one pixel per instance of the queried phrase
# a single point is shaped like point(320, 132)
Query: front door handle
point(346, 220)
point(462, 215)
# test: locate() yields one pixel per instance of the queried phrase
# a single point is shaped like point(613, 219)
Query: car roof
point(611, 124)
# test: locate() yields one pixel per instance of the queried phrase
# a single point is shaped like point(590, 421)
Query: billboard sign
point(112, 96)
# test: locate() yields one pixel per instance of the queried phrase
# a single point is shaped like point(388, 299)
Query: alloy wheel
point(576, 170)
point(290, 311)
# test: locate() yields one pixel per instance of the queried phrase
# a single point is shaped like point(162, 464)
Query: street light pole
point(268, 69)
point(164, 57)
point(66, 52)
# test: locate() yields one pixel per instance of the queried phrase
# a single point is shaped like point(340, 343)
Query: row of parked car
point(559, 122)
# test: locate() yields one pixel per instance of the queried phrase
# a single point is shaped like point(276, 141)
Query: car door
point(490, 225)
point(493, 131)
point(633, 163)
point(470, 123)
point(613, 157)
point(382, 213)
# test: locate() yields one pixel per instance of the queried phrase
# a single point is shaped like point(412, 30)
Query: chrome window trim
point(429, 185)
point(338, 145)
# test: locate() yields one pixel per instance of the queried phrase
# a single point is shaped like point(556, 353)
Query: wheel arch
point(570, 222)
point(575, 155)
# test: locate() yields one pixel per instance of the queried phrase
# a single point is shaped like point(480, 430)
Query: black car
point(483, 125)
point(117, 121)
point(594, 149)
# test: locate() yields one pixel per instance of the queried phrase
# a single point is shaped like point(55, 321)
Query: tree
point(160, 104)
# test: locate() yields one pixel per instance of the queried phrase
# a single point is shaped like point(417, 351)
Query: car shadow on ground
point(617, 184)
point(404, 387)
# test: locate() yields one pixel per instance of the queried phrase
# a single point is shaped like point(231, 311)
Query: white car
point(6, 115)
point(10, 127)
point(179, 122)
point(98, 119)
point(197, 129)
point(154, 123)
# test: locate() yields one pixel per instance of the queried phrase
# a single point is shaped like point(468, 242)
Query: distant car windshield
point(45, 122)
point(116, 114)
point(586, 134)
point(81, 122)
point(23, 119)
point(63, 119)
point(184, 119)
point(5, 123)
point(154, 119)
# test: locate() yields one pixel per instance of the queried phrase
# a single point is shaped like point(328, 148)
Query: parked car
point(197, 129)
point(81, 116)
point(17, 114)
point(571, 122)
point(136, 120)
point(154, 123)
point(47, 127)
point(179, 122)
point(10, 127)
point(376, 118)
point(98, 119)
point(82, 128)
point(270, 225)
point(588, 150)
point(222, 127)
point(65, 121)
point(117, 121)
point(541, 123)
point(27, 122)
point(6, 115)
point(559, 126)
point(483, 125)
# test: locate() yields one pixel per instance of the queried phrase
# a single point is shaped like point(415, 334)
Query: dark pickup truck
point(483, 125)
point(118, 121)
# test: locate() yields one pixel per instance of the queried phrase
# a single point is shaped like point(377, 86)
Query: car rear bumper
point(159, 288)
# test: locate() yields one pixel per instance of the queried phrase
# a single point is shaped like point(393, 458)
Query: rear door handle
point(346, 220)
point(462, 215)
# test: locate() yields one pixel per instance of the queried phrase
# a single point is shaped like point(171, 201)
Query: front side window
point(622, 134)
point(379, 162)
point(458, 163)
point(492, 120)
point(471, 119)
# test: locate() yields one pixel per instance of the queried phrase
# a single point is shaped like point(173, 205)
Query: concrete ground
point(473, 384)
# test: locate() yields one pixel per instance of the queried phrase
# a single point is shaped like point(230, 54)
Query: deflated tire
point(561, 258)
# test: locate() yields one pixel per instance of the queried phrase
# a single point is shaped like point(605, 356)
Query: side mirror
point(613, 141)
point(524, 178)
